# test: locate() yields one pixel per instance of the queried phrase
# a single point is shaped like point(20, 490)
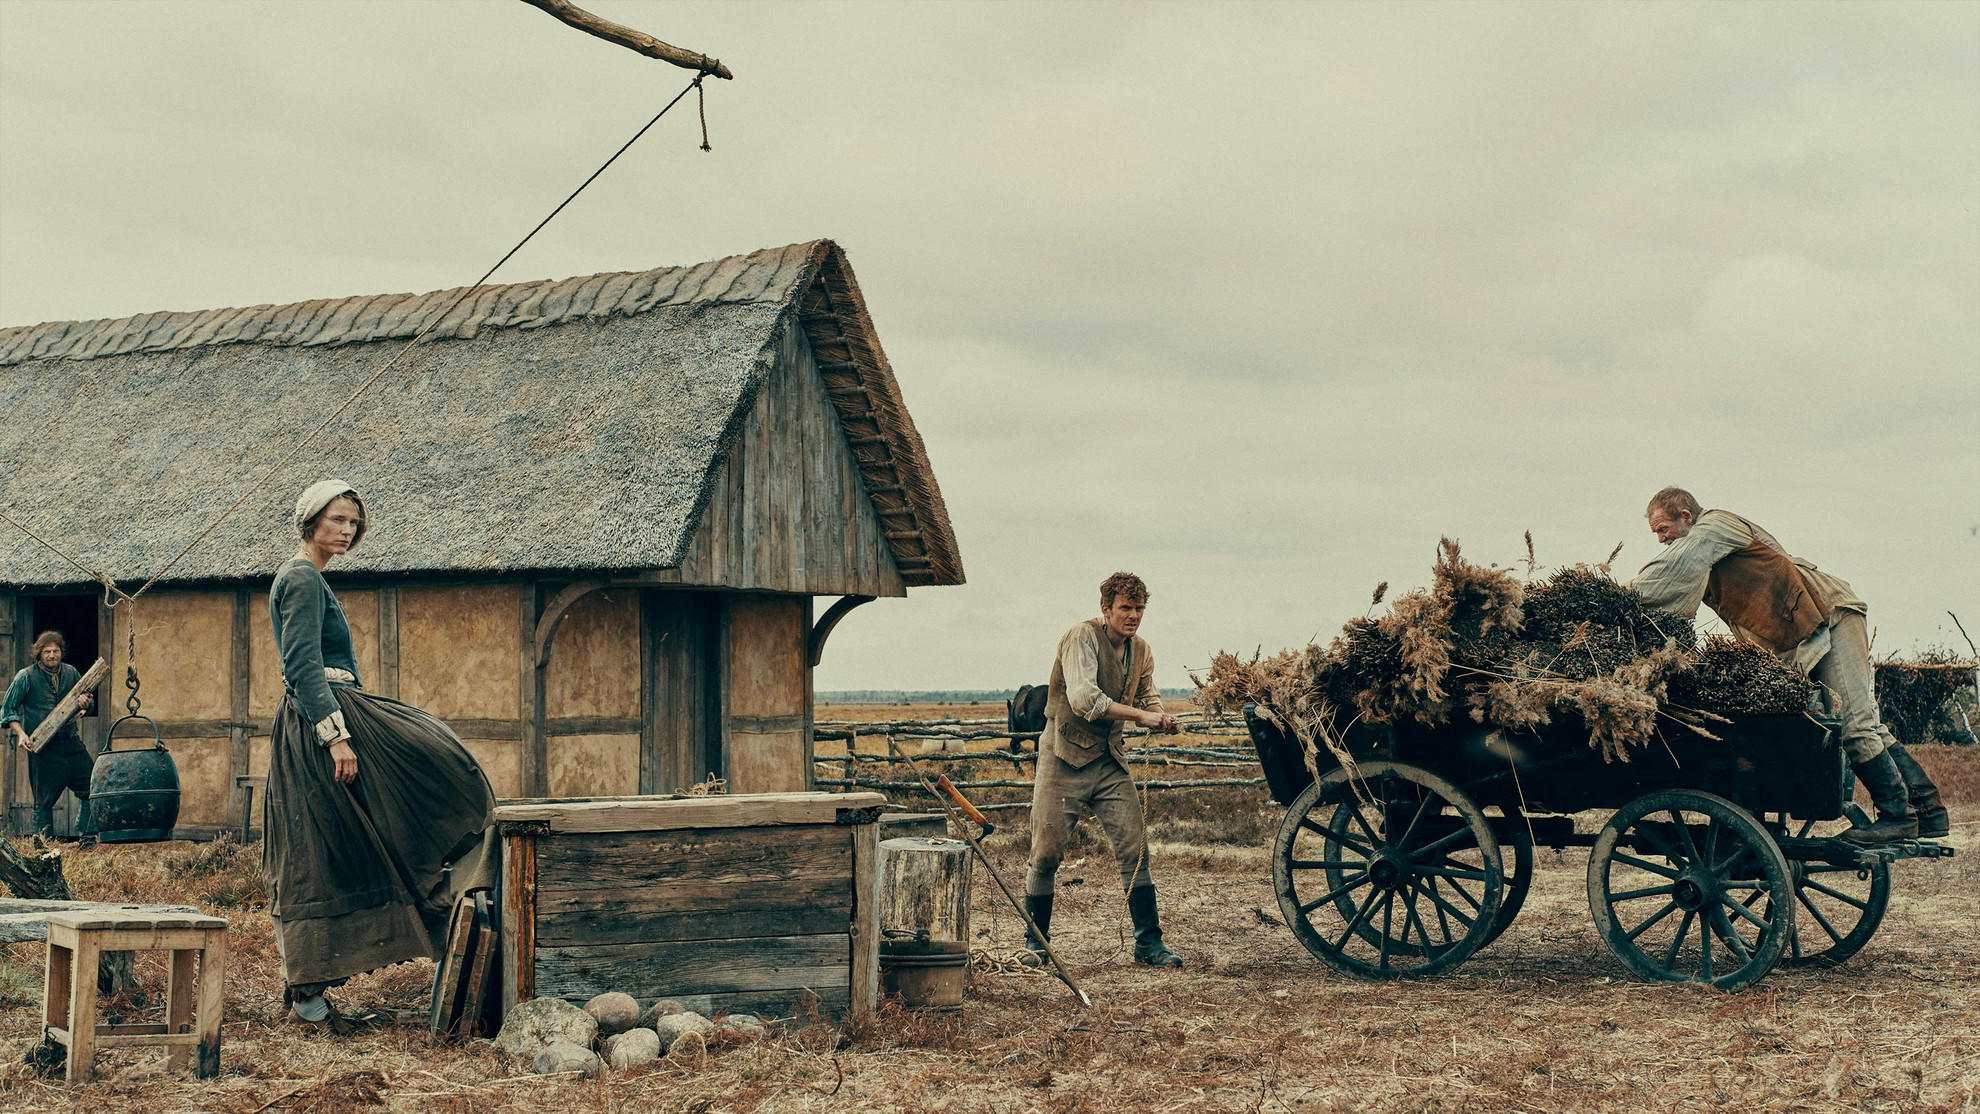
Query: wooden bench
point(198, 945)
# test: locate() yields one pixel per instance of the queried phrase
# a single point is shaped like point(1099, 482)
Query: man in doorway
point(62, 762)
point(1807, 617)
point(1103, 679)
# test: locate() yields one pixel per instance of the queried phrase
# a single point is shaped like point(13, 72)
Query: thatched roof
point(550, 426)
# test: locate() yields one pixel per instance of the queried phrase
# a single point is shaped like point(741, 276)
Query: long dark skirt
point(364, 876)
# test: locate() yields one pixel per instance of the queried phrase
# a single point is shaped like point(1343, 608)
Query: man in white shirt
point(1103, 678)
point(1807, 617)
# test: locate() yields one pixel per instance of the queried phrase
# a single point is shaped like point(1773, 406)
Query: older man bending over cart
point(1808, 618)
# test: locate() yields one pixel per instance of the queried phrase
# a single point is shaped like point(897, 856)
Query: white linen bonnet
point(319, 495)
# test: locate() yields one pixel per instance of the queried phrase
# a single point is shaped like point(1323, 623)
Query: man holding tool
point(1103, 678)
point(62, 762)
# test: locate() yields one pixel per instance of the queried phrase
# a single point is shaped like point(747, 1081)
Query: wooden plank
point(388, 642)
point(443, 1007)
point(635, 814)
point(518, 920)
point(694, 911)
point(664, 968)
point(535, 755)
point(83, 949)
point(769, 725)
point(474, 995)
point(630, 859)
point(652, 765)
point(863, 983)
point(65, 708)
point(239, 807)
point(810, 695)
point(591, 725)
point(11, 757)
point(507, 730)
point(718, 757)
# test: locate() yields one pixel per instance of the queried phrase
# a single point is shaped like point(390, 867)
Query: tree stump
point(38, 876)
point(924, 889)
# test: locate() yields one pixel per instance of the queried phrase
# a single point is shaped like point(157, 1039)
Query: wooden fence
point(1227, 747)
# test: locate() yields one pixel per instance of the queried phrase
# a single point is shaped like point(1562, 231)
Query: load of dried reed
point(1920, 697)
point(1514, 654)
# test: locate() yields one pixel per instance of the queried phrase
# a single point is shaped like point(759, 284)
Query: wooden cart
point(1719, 861)
point(761, 903)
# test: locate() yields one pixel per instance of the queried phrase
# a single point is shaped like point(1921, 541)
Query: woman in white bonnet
point(376, 818)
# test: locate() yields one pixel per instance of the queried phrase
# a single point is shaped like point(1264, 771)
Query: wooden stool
point(69, 1001)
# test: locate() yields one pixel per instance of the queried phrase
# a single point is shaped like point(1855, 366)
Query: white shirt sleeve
point(1081, 664)
point(1675, 579)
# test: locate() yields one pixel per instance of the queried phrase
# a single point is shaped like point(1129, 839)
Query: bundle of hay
point(1921, 697)
point(1482, 643)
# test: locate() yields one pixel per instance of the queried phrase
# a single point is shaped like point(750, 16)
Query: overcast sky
point(1255, 301)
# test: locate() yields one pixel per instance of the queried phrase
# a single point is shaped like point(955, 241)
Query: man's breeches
point(60, 764)
point(1845, 672)
point(1102, 787)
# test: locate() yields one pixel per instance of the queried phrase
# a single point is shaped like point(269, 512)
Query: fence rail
point(850, 770)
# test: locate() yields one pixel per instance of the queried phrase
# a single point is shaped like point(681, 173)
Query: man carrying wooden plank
point(1103, 678)
point(62, 762)
point(1810, 619)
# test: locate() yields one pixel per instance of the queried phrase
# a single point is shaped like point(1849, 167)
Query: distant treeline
point(942, 696)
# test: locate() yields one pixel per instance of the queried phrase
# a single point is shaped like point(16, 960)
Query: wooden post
point(212, 1000)
point(241, 808)
point(535, 753)
point(10, 760)
point(82, 948)
point(864, 985)
point(179, 983)
point(649, 708)
point(518, 919)
point(388, 642)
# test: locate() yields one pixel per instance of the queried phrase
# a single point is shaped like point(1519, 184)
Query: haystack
point(1480, 642)
point(1925, 698)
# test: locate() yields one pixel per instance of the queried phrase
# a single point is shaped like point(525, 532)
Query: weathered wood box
point(750, 904)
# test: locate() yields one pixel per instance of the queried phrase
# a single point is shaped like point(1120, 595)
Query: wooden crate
point(750, 904)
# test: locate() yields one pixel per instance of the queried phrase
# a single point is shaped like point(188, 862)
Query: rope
point(112, 593)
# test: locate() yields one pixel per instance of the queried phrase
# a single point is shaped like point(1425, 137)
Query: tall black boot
point(1039, 909)
point(1895, 820)
point(44, 823)
point(1932, 818)
point(1148, 946)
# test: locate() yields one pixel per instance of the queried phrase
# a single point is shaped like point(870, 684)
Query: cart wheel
point(1519, 878)
point(1844, 902)
point(1393, 875)
point(1675, 859)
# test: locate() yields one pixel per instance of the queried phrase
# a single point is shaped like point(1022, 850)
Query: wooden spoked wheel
point(1516, 860)
point(1394, 875)
point(1688, 887)
point(1515, 863)
point(1838, 906)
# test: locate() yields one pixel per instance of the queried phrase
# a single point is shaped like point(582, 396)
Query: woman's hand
point(346, 760)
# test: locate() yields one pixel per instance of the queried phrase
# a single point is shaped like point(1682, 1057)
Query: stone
point(614, 1012)
point(535, 1025)
point(632, 1048)
point(671, 1027)
point(565, 1056)
point(745, 1025)
point(663, 1008)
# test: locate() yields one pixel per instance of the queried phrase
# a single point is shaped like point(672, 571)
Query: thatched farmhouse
point(600, 511)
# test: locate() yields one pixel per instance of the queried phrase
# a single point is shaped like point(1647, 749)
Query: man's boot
point(1895, 820)
point(1148, 946)
point(43, 823)
point(85, 826)
point(1039, 909)
point(1932, 818)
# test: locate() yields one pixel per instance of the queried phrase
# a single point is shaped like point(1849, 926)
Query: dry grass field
point(1544, 1020)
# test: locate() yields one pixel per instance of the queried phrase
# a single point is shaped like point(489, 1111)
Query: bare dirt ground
point(1544, 1020)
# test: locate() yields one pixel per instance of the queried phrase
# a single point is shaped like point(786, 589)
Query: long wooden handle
point(65, 708)
point(942, 782)
point(1058, 968)
point(637, 41)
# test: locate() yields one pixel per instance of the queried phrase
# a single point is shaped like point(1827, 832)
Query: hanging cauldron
point(134, 794)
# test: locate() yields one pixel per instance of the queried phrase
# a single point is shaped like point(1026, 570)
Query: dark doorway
point(75, 618)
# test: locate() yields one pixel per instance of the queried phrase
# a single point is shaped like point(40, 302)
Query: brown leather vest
point(1760, 590)
point(1081, 741)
